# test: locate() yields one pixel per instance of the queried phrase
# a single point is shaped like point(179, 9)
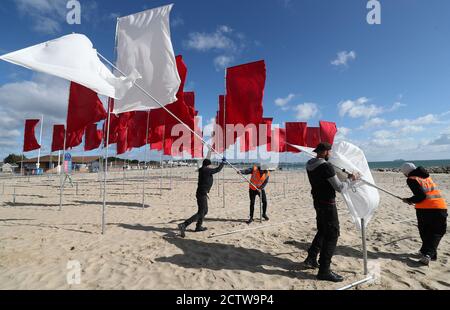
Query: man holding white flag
point(325, 184)
point(144, 44)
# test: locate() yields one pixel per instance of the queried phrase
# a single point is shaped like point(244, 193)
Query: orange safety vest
point(258, 179)
point(434, 198)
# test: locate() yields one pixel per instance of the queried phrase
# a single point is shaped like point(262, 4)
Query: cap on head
point(407, 168)
point(206, 162)
point(322, 147)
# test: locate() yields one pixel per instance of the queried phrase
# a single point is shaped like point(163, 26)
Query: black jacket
point(419, 194)
point(205, 179)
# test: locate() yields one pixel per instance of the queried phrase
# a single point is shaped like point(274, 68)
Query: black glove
point(224, 160)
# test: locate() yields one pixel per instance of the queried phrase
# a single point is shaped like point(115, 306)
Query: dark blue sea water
point(382, 164)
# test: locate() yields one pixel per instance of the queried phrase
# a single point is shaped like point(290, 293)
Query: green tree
point(13, 159)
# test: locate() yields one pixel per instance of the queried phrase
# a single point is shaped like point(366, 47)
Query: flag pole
point(176, 117)
point(62, 174)
point(224, 137)
point(145, 160)
point(105, 168)
point(40, 143)
point(161, 159)
point(364, 245)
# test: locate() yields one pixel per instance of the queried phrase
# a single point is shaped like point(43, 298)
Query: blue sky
point(386, 86)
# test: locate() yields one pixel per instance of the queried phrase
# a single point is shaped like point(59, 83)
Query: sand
point(141, 249)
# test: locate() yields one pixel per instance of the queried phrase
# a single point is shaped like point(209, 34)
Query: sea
point(381, 164)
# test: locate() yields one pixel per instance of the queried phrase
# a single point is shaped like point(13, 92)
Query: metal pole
point(145, 160)
point(260, 206)
point(356, 283)
point(224, 136)
point(14, 196)
point(105, 168)
point(76, 189)
point(61, 188)
point(363, 235)
point(161, 160)
point(40, 144)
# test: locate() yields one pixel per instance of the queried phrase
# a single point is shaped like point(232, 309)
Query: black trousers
point(202, 203)
point(253, 195)
point(327, 235)
point(432, 226)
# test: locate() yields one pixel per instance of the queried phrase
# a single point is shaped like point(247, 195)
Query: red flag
point(137, 129)
point(312, 136)
point(245, 92)
point(74, 138)
point(279, 140)
point(122, 133)
point(29, 141)
point(261, 137)
point(328, 132)
point(58, 138)
point(93, 138)
point(296, 135)
point(197, 144)
point(85, 108)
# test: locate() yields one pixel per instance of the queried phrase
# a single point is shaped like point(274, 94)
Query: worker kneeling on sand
point(259, 180)
point(325, 183)
point(205, 182)
point(431, 210)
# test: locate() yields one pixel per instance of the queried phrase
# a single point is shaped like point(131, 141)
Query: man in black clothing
point(431, 210)
point(324, 183)
point(205, 182)
point(260, 174)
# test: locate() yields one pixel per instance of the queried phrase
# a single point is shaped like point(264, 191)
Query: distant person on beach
point(431, 210)
point(205, 182)
point(325, 184)
point(259, 179)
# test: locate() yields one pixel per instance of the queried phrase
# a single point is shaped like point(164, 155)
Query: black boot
point(250, 220)
point(328, 275)
point(311, 262)
point(265, 217)
point(182, 228)
point(200, 229)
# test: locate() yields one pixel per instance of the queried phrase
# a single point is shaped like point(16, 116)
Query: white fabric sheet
point(72, 57)
point(361, 199)
point(144, 43)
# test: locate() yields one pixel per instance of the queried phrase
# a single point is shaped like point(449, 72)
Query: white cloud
point(282, 102)
point(423, 120)
point(43, 95)
point(343, 58)
point(176, 21)
point(46, 16)
point(221, 62)
point(396, 106)
point(224, 41)
point(383, 134)
point(209, 128)
point(443, 139)
point(218, 40)
point(359, 108)
point(342, 133)
point(374, 122)
point(411, 129)
point(306, 111)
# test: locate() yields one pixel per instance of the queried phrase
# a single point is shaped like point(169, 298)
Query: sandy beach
point(141, 248)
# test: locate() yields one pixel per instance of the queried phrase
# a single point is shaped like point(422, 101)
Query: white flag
point(362, 199)
point(143, 43)
point(72, 57)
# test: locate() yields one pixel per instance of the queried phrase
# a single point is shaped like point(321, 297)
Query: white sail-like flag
point(361, 198)
point(72, 57)
point(144, 43)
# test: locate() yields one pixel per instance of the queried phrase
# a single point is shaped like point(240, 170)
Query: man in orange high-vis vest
point(260, 178)
point(431, 210)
